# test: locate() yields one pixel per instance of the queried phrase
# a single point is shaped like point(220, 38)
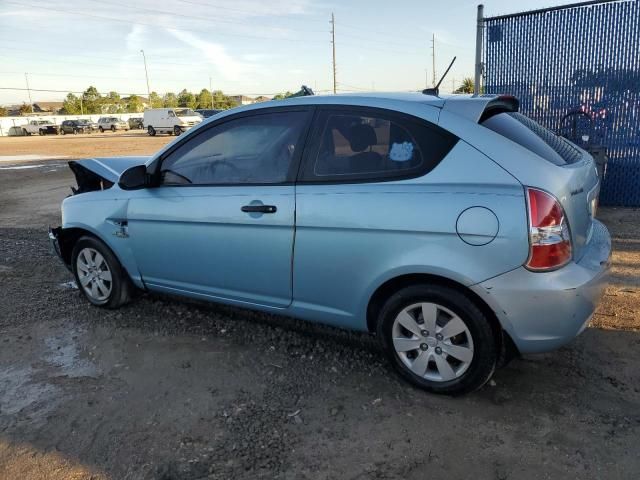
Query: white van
point(170, 120)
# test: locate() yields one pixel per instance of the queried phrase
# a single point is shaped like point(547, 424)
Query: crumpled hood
point(108, 168)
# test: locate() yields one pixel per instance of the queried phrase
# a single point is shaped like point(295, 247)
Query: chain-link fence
point(576, 70)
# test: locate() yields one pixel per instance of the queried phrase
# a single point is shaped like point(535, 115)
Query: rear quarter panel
point(573, 184)
point(352, 238)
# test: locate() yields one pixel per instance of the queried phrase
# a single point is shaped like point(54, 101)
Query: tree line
point(92, 102)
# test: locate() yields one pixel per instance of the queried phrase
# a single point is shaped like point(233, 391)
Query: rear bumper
point(543, 311)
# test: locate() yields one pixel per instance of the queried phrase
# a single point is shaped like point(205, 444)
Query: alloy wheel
point(432, 342)
point(94, 274)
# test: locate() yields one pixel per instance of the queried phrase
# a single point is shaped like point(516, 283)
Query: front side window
point(374, 145)
point(185, 112)
point(250, 150)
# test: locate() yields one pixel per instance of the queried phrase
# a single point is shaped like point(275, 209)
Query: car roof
point(470, 107)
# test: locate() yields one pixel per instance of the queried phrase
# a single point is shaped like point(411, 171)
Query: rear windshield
point(534, 137)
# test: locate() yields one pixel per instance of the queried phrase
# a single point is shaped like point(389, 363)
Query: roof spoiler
point(477, 108)
point(499, 104)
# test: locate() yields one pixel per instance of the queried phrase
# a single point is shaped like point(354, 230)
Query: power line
point(131, 22)
point(123, 58)
point(247, 12)
point(22, 89)
point(198, 18)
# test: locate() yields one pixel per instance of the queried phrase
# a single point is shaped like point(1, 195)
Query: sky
point(252, 47)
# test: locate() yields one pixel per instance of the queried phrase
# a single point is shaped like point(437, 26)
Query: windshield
point(184, 112)
point(82, 122)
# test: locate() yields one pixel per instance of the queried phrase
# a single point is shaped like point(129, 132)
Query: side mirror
point(134, 178)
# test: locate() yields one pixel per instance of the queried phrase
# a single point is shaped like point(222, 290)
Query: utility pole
point(81, 108)
point(477, 87)
point(146, 73)
point(333, 44)
point(26, 79)
point(433, 57)
point(211, 91)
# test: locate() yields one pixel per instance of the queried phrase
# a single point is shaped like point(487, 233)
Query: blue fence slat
point(583, 57)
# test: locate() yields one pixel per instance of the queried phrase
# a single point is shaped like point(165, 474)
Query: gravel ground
point(165, 389)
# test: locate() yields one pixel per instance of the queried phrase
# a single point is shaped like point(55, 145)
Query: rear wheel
point(99, 275)
point(101, 129)
point(151, 131)
point(62, 132)
point(113, 128)
point(438, 339)
point(41, 132)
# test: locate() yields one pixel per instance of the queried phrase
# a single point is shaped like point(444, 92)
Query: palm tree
point(466, 86)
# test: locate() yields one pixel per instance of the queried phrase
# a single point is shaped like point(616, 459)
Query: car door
point(356, 212)
point(221, 223)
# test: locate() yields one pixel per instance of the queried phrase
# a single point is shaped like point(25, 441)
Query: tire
point(24, 131)
point(91, 257)
point(101, 129)
point(151, 131)
point(444, 373)
point(62, 132)
point(40, 132)
point(75, 131)
point(113, 128)
point(177, 130)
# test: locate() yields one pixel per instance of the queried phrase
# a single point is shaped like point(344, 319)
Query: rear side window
point(534, 137)
point(367, 145)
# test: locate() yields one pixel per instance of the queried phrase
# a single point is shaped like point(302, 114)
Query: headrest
point(361, 137)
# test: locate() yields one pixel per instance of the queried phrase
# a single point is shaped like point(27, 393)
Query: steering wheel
point(227, 164)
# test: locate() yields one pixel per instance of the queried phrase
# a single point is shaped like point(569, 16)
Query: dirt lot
point(164, 389)
point(133, 142)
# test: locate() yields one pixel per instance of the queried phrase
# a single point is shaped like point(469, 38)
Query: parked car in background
point(41, 127)
point(136, 123)
point(170, 120)
point(77, 126)
point(456, 229)
point(206, 113)
point(112, 123)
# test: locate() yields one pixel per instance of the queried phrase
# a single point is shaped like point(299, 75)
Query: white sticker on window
point(401, 152)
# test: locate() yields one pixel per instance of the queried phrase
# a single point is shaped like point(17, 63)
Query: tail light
point(549, 238)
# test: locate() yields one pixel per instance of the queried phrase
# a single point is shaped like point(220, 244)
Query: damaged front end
point(59, 243)
point(94, 174)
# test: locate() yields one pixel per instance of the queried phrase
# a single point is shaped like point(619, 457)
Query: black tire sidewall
point(120, 281)
point(484, 344)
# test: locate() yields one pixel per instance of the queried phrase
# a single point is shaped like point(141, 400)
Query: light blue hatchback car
point(456, 229)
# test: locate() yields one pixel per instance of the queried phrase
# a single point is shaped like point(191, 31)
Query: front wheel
point(113, 128)
point(151, 131)
point(101, 129)
point(99, 275)
point(177, 130)
point(40, 132)
point(438, 339)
